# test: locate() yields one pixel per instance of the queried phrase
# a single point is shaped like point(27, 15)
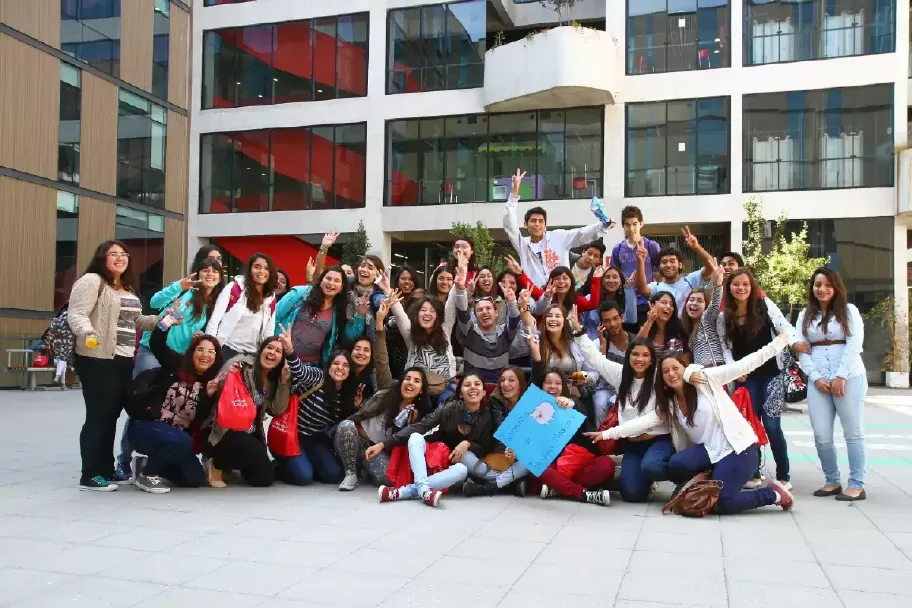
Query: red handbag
point(236, 410)
point(742, 400)
point(573, 460)
point(40, 361)
point(609, 446)
point(282, 437)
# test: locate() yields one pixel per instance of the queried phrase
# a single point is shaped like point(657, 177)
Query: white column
point(901, 300)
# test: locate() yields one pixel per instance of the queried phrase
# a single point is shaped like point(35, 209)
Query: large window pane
point(351, 57)
point(676, 35)
point(350, 152)
point(293, 62)
point(90, 32)
point(70, 116)
point(512, 144)
point(291, 169)
point(466, 35)
point(403, 161)
point(583, 170)
point(646, 143)
point(323, 166)
point(161, 29)
point(216, 160)
point(830, 138)
point(465, 162)
point(65, 248)
point(251, 171)
point(143, 234)
point(141, 135)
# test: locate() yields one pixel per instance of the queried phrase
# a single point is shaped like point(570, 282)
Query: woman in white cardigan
point(837, 378)
point(708, 431)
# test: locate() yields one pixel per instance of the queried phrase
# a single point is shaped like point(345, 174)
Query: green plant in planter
point(884, 314)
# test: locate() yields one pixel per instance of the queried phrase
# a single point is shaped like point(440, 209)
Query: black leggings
point(244, 452)
point(104, 387)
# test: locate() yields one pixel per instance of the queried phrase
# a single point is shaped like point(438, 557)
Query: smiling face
point(554, 320)
point(472, 390)
point(462, 247)
point(485, 314)
point(339, 369)
point(509, 384)
point(672, 373)
point(405, 282)
point(612, 280)
point(670, 267)
point(632, 228)
point(696, 304)
point(536, 225)
point(729, 265)
point(485, 280)
point(612, 322)
point(272, 355)
point(427, 316)
point(553, 384)
point(591, 258)
point(367, 273)
point(203, 356)
point(444, 283)
point(361, 353)
point(562, 282)
point(665, 306)
point(640, 360)
point(210, 277)
point(510, 281)
point(331, 284)
point(823, 289)
point(740, 288)
point(410, 387)
point(116, 260)
point(259, 271)
point(281, 284)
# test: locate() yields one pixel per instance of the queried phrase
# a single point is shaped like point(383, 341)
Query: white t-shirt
point(680, 288)
point(706, 431)
point(630, 412)
point(246, 335)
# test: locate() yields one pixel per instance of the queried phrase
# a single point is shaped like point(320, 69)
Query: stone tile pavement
point(286, 547)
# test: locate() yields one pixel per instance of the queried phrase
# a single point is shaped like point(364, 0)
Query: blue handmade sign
point(537, 429)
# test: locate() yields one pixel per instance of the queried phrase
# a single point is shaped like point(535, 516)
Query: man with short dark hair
point(543, 250)
point(671, 264)
point(624, 256)
point(730, 261)
point(592, 256)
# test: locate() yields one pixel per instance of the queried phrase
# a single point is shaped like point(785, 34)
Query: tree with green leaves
point(561, 7)
point(486, 251)
point(786, 267)
point(356, 247)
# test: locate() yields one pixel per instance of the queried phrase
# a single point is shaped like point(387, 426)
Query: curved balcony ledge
point(562, 67)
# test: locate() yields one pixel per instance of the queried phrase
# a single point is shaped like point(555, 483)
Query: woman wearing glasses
point(105, 313)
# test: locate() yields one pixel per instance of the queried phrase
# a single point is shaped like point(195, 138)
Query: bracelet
point(580, 332)
point(323, 249)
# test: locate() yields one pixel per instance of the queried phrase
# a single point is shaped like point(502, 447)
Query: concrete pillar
point(901, 301)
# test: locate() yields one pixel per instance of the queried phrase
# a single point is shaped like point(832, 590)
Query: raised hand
point(285, 375)
point(385, 305)
point(359, 396)
point(470, 285)
point(689, 239)
point(534, 345)
point(462, 271)
point(573, 319)
point(598, 272)
point(329, 239)
point(383, 282)
point(311, 269)
point(512, 265)
point(718, 274)
point(508, 293)
point(549, 291)
point(285, 338)
point(524, 297)
point(641, 251)
point(653, 314)
point(213, 385)
point(188, 282)
point(517, 181)
point(363, 305)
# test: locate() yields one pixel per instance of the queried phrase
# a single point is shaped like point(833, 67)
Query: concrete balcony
point(563, 67)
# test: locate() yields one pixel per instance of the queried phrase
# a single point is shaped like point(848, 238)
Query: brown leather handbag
point(697, 498)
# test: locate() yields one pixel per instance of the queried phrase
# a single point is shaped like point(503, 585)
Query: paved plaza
point(288, 547)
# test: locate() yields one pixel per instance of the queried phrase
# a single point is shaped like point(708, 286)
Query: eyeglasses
point(114, 255)
point(484, 299)
point(204, 351)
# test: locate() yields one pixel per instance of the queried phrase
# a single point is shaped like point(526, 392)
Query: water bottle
point(173, 316)
point(403, 416)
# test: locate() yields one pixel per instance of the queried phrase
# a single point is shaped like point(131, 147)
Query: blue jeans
point(733, 471)
point(644, 462)
point(316, 462)
point(758, 389)
point(417, 447)
point(823, 410)
point(144, 360)
point(476, 468)
point(170, 452)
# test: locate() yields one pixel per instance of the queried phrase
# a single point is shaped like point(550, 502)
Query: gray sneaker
point(152, 484)
point(137, 465)
point(349, 483)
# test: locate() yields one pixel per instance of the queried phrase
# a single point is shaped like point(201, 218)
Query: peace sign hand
point(385, 305)
point(573, 319)
point(517, 181)
point(598, 272)
point(641, 251)
point(363, 305)
point(359, 396)
point(285, 338)
point(718, 273)
point(508, 293)
point(512, 265)
point(653, 314)
point(689, 239)
point(549, 291)
point(213, 385)
point(188, 282)
point(524, 299)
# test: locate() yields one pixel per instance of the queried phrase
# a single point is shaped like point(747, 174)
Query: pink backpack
point(235, 295)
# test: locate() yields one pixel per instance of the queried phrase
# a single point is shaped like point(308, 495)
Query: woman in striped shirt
point(699, 322)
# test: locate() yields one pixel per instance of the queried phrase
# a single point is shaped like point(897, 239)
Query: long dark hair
point(473, 263)
point(838, 308)
point(255, 299)
point(520, 376)
point(673, 329)
point(484, 395)
point(340, 400)
point(665, 395)
point(570, 298)
point(200, 303)
point(389, 405)
point(274, 376)
point(204, 252)
point(621, 296)
point(412, 274)
point(313, 303)
point(432, 287)
point(187, 371)
point(548, 347)
point(99, 265)
point(756, 307)
point(500, 279)
point(495, 289)
point(565, 386)
point(436, 338)
point(688, 325)
point(645, 392)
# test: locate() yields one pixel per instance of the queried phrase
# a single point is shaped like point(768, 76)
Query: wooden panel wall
point(96, 225)
point(29, 108)
point(136, 42)
point(177, 162)
point(175, 263)
point(179, 58)
point(39, 19)
point(27, 245)
point(18, 327)
point(98, 135)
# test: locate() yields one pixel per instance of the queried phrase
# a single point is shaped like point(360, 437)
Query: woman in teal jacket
point(198, 293)
point(317, 315)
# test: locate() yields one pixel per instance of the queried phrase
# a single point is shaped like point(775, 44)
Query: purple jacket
point(624, 256)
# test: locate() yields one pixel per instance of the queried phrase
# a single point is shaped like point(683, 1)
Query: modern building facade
point(410, 115)
point(94, 126)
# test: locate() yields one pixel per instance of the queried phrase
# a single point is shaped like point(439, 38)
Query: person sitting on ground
point(363, 369)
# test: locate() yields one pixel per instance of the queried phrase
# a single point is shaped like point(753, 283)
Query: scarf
point(470, 419)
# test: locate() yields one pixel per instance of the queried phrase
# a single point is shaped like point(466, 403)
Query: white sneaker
point(753, 484)
point(785, 484)
point(547, 492)
point(596, 497)
point(349, 483)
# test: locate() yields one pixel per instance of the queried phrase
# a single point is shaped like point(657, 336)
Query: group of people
point(404, 388)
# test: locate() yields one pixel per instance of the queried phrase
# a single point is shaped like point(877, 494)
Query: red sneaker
point(387, 494)
point(786, 500)
point(431, 497)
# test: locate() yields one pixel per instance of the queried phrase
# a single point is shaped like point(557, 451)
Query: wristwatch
point(579, 332)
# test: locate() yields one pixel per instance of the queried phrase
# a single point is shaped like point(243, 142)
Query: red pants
point(592, 476)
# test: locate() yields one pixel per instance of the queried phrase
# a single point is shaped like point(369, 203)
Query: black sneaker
point(474, 488)
point(121, 478)
point(597, 497)
point(152, 484)
point(97, 484)
point(519, 488)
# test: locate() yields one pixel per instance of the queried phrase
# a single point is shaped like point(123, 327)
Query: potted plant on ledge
point(896, 359)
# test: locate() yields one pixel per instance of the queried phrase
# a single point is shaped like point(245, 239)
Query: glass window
point(283, 169)
point(65, 248)
point(317, 59)
point(814, 140)
point(217, 2)
point(436, 47)
point(468, 159)
point(677, 35)
point(778, 31)
point(143, 234)
point(70, 115)
point(90, 32)
point(678, 147)
point(141, 139)
point(161, 29)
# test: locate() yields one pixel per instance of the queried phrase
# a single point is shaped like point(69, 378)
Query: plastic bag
point(236, 410)
point(742, 399)
point(573, 460)
point(282, 437)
